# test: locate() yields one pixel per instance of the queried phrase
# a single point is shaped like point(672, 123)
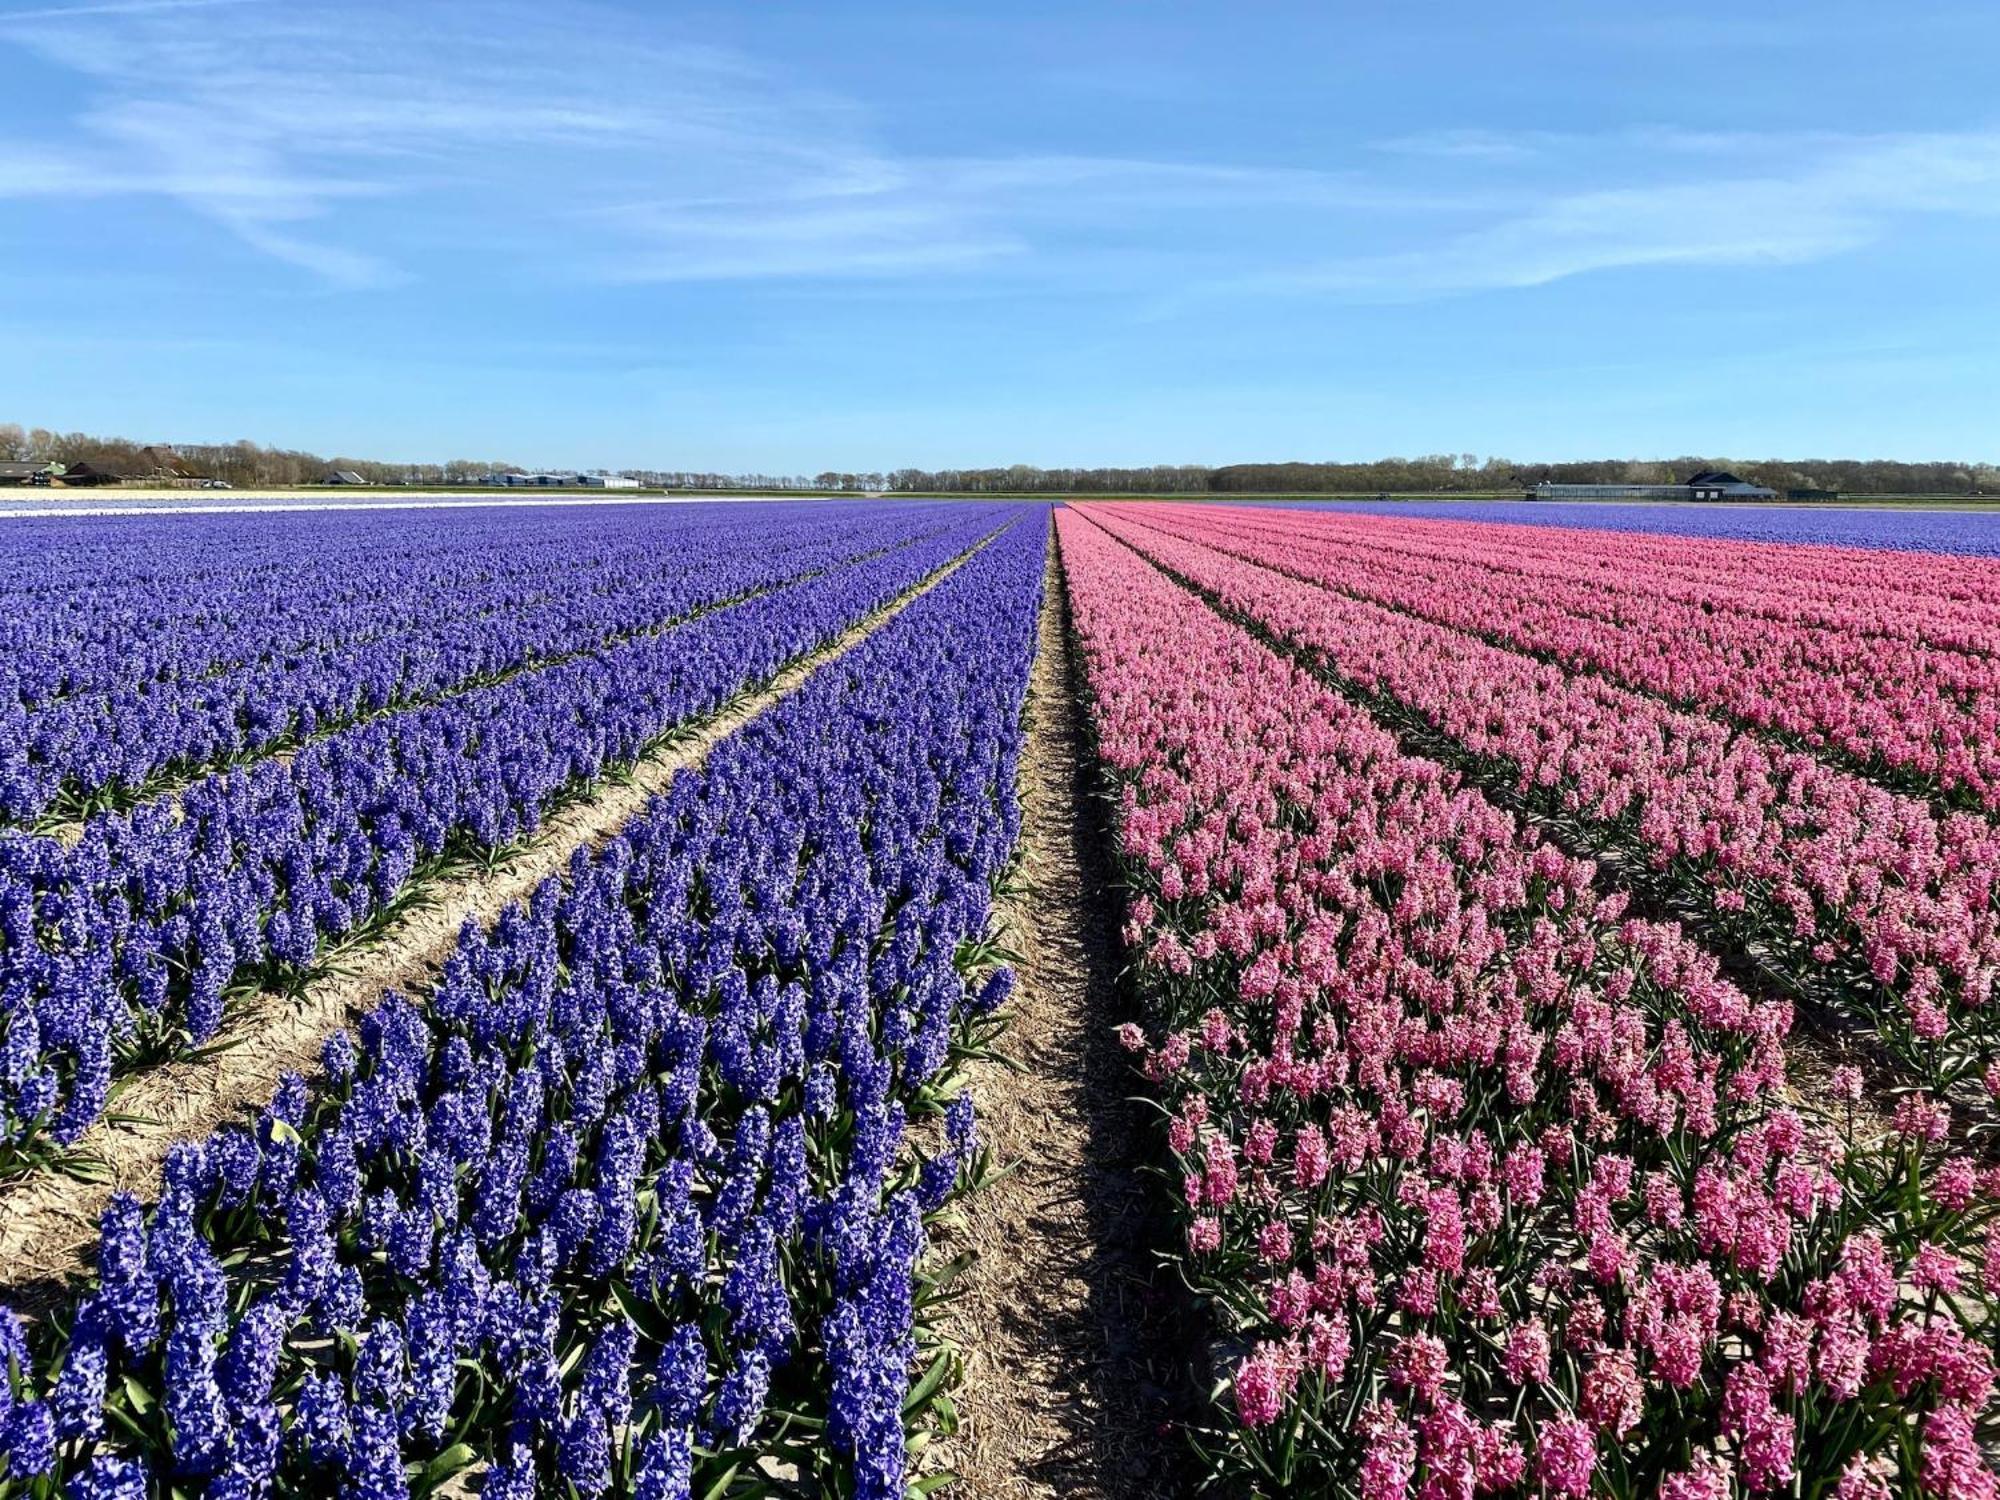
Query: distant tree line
point(1444, 473)
point(244, 464)
point(247, 465)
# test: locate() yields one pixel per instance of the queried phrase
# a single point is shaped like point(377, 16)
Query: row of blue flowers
point(127, 944)
point(110, 605)
point(179, 673)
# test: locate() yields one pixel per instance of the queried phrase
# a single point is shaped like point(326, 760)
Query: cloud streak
point(113, 8)
point(364, 145)
point(338, 140)
point(1824, 196)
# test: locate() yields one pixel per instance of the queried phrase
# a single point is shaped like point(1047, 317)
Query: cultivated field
point(854, 999)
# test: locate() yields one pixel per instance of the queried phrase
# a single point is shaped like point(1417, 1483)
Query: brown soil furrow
point(48, 1221)
point(1059, 1318)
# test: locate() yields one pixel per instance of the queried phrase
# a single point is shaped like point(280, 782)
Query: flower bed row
point(222, 683)
point(1492, 1188)
point(1854, 895)
point(637, 1203)
point(1917, 717)
point(105, 605)
point(1945, 598)
point(128, 943)
point(1854, 533)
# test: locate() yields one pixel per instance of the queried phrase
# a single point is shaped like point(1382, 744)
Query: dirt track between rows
point(1066, 1392)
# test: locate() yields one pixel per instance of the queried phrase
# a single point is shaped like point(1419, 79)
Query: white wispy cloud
point(1803, 198)
point(878, 215)
point(342, 138)
point(288, 125)
point(365, 143)
point(111, 8)
point(1468, 143)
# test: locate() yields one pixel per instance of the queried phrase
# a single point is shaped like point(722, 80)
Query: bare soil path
point(1066, 1392)
point(48, 1222)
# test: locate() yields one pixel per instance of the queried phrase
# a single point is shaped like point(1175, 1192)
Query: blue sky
point(784, 236)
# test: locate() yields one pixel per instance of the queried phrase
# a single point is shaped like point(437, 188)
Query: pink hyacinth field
point(1561, 969)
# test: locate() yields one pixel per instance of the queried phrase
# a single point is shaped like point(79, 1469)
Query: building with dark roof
point(1709, 484)
point(517, 480)
point(156, 461)
point(25, 471)
point(1608, 492)
point(86, 472)
point(1720, 484)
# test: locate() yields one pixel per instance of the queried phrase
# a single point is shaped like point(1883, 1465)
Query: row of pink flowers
point(1493, 1187)
point(1868, 896)
point(1946, 599)
point(1777, 653)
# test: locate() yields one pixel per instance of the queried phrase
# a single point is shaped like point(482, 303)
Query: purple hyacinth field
point(635, 1195)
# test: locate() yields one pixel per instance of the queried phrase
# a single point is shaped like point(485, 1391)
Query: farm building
point(531, 481)
point(25, 471)
point(156, 461)
point(1608, 492)
point(86, 472)
point(1709, 484)
point(562, 480)
point(343, 476)
point(1720, 484)
point(153, 464)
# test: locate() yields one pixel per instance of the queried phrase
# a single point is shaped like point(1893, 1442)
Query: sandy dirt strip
point(48, 1222)
point(1066, 1392)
